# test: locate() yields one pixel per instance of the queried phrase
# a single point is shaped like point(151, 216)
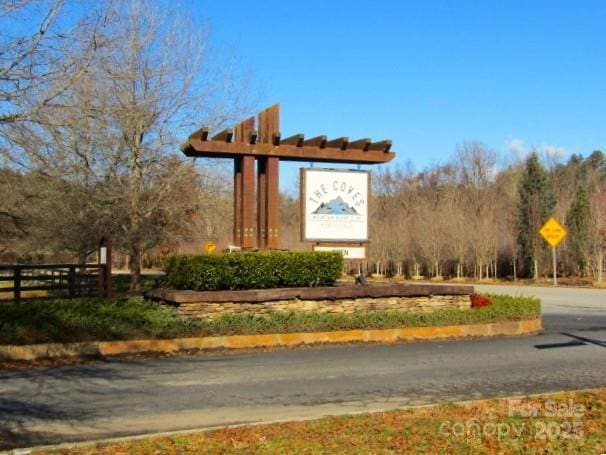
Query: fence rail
point(75, 280)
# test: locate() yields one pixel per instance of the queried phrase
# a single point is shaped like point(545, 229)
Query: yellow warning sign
point(553, 232)
point(209, 247)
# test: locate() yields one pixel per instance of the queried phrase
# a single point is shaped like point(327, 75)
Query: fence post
point(71, 281)
point(105, 267)
point(17, 284)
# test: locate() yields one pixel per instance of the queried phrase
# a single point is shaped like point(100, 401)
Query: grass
point(93, 319)
point(89, 319)
point(562, 423)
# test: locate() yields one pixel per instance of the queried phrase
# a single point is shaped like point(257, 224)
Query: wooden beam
point(226, 135)
point(318, 141)
point(360, 144)
point(269, 123)
point(252, 136)
point(296, 140)
point(275, 138)
point(243, 130)
point(220, 149)
point(201, 134)
point(384, 146)
point(186, 149)
point(339, 143)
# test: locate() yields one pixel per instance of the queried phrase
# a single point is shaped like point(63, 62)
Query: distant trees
point(94, 103)
point(469, 218)
point(578, 221)
point(536, 204)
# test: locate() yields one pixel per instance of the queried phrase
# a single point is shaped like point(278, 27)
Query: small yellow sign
point(209, 247)
point(553, 232)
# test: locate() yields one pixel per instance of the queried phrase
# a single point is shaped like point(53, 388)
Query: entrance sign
point(348, 252)
point(553, 232)
point(334, 205)
point(260, 142)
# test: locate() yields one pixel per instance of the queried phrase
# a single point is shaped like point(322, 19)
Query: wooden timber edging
point(109, 348)
point(317, 293)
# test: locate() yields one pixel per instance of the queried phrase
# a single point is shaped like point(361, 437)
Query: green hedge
point(263, 270)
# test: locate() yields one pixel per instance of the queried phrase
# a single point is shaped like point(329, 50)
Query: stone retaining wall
point(336, 300)
point(214, 310)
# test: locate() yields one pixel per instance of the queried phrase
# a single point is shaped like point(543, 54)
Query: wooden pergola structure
point(263, 142)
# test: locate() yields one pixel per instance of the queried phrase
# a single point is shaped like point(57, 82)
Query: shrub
point(261, 270)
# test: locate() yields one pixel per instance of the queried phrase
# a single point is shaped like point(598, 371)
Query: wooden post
point(244, 188)
point(553, 258)
point(237, 237)
point(104, 261)
point(71, 281)
point(273, 203)
point(17, 284)
point(262, 203)
point(248, 201)
point(268, 218)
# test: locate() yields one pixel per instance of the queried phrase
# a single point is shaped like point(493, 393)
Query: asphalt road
point(106, 399)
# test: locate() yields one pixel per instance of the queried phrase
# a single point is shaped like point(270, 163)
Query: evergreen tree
point(578, 221)
point(536, 203)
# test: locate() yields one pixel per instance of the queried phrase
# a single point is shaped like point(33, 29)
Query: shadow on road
point(576, 341)
point(32, 407)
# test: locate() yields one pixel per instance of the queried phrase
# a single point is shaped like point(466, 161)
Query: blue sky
point(427, 74)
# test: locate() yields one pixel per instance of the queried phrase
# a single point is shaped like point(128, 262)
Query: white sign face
point(335, 205)
point(103, 255)
point(348, 252)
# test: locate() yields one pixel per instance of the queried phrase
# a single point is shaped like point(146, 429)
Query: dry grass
point(570, 422)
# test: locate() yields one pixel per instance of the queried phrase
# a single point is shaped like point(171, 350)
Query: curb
point(109, 348)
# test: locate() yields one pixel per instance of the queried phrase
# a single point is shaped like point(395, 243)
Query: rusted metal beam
point(275, 138)
point(296, 140)
point(318, 141)
point(220, 149)
point(338, 143)
point(360, 144)
point(226, 135)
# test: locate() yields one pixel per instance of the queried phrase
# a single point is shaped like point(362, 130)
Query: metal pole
point(553, 257)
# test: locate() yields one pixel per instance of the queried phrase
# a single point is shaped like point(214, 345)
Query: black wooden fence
point(70, 280)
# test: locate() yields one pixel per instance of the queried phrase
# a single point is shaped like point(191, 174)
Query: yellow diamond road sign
point(209, 247)
point(553, 232)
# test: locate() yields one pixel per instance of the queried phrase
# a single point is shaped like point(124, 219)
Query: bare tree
point(40, 58)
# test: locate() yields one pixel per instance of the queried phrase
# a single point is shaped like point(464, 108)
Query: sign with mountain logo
point(334, 205)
